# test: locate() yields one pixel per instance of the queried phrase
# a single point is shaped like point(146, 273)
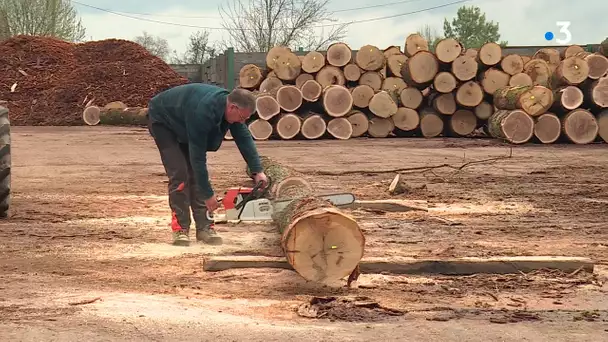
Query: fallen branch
point(413, 169)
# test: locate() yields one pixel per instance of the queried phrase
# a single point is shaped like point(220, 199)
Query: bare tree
point(259, 25)
point(431, 35)
point(156, 45)
point(55, 18)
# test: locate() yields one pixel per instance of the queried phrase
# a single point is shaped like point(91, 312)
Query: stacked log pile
point(548, 97)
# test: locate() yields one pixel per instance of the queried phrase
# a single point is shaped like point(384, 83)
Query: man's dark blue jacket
point(195, 113)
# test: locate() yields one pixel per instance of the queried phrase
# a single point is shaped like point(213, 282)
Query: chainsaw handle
point(209, 215)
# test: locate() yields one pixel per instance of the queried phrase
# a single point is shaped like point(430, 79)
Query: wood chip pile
point(548, 97)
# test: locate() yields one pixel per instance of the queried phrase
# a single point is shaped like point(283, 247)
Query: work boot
point(208, 235)
point(180, 238)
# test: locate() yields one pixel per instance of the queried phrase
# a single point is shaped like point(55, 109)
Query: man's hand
point(212, 204)
point(261, 177)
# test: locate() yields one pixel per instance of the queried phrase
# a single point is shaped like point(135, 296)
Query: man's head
point(240, 105)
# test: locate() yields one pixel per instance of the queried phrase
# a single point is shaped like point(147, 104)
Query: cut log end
point(514, 126)
point(602, 122)
point(539, 72)
point(287, 65)
point(383, 105)
point(520, 79)
point(411, 98)
point(415, 43)
point(340, 128)
point(91, 115)
point(465, 68)
point(445, 82)
point(490, 54)
point(370, 58)
point(362, 95)
point(463, 122)
point(337, 100)
point(372, 79)
point(420, 69)
point(395, 63)
point(547, 128)
point(313, 127)
point(330, 75)
point(313, 62)
point(445, 104)
point(598, 66)
point(338, 54)
point(406, 119)
point(580, 126)
point(469, 94)
point(448, 49)
point(512, 64)
point(311, 90)
point(267, 107)
point(250, 76)
point(570, 97)
point(302, 79)
point(270, 85)
point(380, 127)
point(572, 71)
point(352, 72)
point(536, 101)
point(359, 123)
point(289, 98)
point(288, 126)
point(431, 124)
point(312, 228)
point(494, 79)
point(260, 129)
point(484, 110)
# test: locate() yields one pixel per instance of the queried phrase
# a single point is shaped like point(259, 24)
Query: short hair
point(243, 98)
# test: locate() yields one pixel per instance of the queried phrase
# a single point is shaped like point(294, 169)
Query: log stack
point(341, 93)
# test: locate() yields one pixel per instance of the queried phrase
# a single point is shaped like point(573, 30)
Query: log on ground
point(130, 116)
point(406, 119)
point(359, 123)
point(462, 123)
point(320, 242)
point(514, 126)
point(580, 126)
point(431, 123)
point(286, 182)
point(547, 128)
point(380, 127)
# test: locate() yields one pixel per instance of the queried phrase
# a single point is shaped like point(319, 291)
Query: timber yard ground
point(86, 254)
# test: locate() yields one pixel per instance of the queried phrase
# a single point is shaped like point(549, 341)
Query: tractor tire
point(5, 162)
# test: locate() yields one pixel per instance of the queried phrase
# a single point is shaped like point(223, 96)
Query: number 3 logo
point(564, 25)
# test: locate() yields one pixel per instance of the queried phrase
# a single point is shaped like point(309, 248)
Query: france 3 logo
point(564, 29)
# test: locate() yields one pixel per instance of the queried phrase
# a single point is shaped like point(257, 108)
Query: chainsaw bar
point(339, 200)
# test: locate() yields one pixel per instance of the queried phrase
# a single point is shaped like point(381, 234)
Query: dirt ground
point(86, 251)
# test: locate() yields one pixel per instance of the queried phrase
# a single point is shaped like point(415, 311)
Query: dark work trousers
point(183, 192)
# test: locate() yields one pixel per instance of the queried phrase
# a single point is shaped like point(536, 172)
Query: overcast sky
point(522, 22)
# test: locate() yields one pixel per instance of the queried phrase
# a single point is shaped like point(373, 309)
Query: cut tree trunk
point(302, 79)
point(267, 106)
point(362, 95)
point(285, 64)
point(431, 123)
point(270, 85)
point(462, 123)
point(534, 101)
point(471, 53)
point(602, 122)
point(571, 50)
point(571, 71)
point(260, 129)
point(539, 72)
point(490, 54)
point(411, 98)
point(445, 82)
point(359, 122)
point(391, 50)
point(313, 126)
point(465, 68)
point(313, 62)
point(469, 94)
point(549, 55)
point(395, 63)
point(494, 79)
point(415, 43)
point(311, 91)
point(580, 126)
point(352, 72)
point(383, 105)
point(568, 98)
point(520, 79)
point(394, 86)
point(447, 50)
point(598, 92)
point(547, 128)
point(320, 242)
point(130, 116)
point(370, 58)
point(286, 182)
point(338, 54)
point(419, 70)
point(330, 75)
point(250, 76)
point(406, 119)
point(340, 128)
point(380, 127)
point(371, 78)
point(484, 110)
point(289, 98)
point(288, 126)
point(337, 100)
point(514, 126)
point(512, 64)
point(598, 66)
point(444, 103)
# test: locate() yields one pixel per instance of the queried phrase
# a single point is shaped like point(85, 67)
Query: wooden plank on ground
point(460, 266)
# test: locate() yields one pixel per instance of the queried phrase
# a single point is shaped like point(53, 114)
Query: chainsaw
point(254, 204)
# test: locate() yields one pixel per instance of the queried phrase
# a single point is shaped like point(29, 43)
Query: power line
point(216, 17)
point(223, 28)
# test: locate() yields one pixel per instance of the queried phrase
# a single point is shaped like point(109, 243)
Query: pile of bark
point(46, 81)
point(548, 97)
